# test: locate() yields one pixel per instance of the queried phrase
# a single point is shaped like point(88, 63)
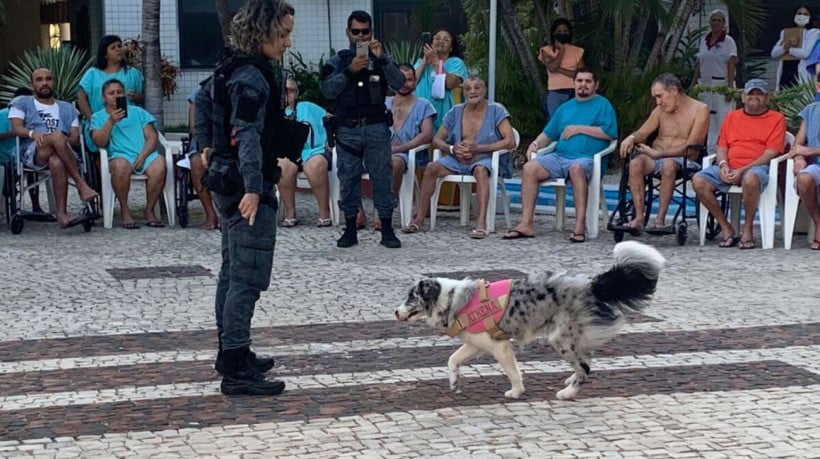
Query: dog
point(574, 313)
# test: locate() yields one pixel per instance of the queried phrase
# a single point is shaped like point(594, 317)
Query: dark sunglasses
point(360, 31)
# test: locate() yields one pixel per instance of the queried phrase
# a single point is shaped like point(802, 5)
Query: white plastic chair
point(767, 206)
point(465, 183)
point(409, 185)
point(596, 201)
point(108, 197)
point(791, 203)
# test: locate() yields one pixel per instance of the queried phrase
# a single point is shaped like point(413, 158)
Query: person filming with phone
point(358, 79)
point(129, 134)
point(439, 72)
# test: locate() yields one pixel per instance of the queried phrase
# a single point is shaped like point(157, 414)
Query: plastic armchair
point(108, 197)
point(409, 185)
point(767, 206)
point(465, 183)
point(596, 201)
point(791, 203)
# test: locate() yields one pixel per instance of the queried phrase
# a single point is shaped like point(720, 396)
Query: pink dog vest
point(484, 310)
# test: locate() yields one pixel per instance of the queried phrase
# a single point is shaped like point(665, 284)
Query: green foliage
point(403, 52)
point(307, 77)
point(791, 101)
point(67, 65)
point(517, 96)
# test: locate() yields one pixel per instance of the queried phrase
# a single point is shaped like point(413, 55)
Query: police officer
point(245, 102)
point(358, 80)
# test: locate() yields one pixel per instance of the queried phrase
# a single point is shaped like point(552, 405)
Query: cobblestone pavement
point(108, 344)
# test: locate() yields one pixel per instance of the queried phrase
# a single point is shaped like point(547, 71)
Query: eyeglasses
point(360, 31)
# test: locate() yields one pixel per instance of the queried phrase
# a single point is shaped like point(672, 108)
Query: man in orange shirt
point(749, 138)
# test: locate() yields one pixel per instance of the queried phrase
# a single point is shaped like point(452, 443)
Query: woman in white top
point(789, 69)
point(717, 58)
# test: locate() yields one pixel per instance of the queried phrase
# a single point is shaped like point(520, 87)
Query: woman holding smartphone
point(131, 140)
point(442, 61)
point(561, 59)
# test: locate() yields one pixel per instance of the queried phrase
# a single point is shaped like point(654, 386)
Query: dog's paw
point(567, 393)
point(514, 393)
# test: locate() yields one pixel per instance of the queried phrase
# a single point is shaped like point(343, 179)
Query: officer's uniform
point(363, 128)
point(254, 107)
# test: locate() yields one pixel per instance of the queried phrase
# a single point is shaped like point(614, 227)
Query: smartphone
point(426, 38)
point(122, 104)
point(362, 48)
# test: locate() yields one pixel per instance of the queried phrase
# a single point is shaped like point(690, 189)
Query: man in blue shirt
point(582, 126)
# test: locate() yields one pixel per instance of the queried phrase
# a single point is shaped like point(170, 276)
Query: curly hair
point(257, 22)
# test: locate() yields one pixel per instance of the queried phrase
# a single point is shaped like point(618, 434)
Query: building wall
point(20, 32)
point(312, 37)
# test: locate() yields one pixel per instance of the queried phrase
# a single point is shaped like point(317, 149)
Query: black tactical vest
point(365, 91)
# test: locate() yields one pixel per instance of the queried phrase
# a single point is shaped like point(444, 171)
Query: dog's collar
point(484, 310)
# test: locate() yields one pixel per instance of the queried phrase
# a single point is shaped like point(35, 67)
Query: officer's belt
point(359, 122)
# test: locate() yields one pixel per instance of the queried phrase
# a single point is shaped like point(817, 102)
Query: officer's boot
point(389, 238)
point(240, 378)
point(260, 364)
point(349, 237)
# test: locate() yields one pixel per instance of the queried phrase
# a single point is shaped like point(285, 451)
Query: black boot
point(349, 237)
point(389, 238)
point(240, 378)
point(260, 364)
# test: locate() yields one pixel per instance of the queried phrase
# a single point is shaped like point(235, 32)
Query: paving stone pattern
point(109, 342)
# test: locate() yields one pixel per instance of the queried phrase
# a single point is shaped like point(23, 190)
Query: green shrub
point(67, 65)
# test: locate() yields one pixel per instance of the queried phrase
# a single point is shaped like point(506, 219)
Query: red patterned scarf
point(712, 43)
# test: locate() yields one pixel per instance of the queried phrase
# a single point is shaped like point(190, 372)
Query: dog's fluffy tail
point(631, 281)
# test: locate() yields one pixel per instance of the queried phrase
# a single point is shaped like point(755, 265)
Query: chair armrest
point(775, 162)
point(497, 158)
point(708, 160)
point(543, 151)
point(411, 155)
point(436, 154)
point(597, 159)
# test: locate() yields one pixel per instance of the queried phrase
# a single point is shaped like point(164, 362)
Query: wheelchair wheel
point(182, 199)
point(683, 233)
point(17, 224)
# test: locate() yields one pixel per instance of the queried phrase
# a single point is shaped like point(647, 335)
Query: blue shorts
point(712, 175)
point(422, 158)
point(28, 158)
point(814, 171)
point(450, 162)
point(690, 164)
point(558, 166)
point(132, 159)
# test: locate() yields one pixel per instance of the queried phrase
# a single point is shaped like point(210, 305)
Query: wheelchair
point(17, 182)
point(185, 191)
point(625, 210)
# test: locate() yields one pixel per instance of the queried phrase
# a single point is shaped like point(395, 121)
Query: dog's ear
point(429, 289)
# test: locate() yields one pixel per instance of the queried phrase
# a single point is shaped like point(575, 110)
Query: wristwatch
point(451, 149)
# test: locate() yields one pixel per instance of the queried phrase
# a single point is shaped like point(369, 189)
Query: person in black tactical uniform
point(244, 108)
point(359, 83)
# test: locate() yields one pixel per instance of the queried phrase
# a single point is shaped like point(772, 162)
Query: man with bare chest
point(468, 136)
point(412, 126)
point(681, 123)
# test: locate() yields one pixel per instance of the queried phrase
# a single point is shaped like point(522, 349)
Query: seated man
point(48, 128)
point(749, 138)
point(680, 121)
point(198, 167)
point(806, 154)
point(468, 135)
point(313, 161)
point(582, 126)
point(412, 126)
point(131, 140)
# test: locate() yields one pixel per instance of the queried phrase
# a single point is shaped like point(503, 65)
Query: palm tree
point(152, 59)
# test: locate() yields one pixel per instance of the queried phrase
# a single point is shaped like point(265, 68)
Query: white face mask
point(801, 19)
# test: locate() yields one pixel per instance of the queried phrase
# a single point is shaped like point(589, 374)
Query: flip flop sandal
point(746, 245)
point(815, 245)
point(411, 229)
point(289, 222)
point(324, 222)
point(515, 234)
point(155, 224)
point(577, 238)
point(730, 241)
point(478, 233)
point(130, 226)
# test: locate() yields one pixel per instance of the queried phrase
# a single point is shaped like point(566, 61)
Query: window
point(200, 35)
point(399, 20)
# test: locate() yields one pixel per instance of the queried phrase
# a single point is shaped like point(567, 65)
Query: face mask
point(801, 19)
point(562, 37)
